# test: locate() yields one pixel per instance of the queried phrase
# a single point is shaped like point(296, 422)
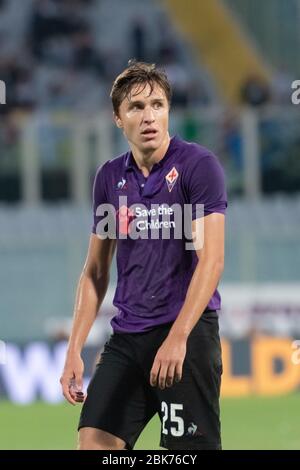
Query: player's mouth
point(149, 133)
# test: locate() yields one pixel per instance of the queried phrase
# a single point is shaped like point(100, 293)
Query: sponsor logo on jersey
point(125, 216)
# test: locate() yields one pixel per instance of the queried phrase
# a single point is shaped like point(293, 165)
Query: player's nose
point(148, 115)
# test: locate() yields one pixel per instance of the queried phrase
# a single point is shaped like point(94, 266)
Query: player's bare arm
point(91, 291)
point(168, 362)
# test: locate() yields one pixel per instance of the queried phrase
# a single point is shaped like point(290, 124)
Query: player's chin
point(151, 144)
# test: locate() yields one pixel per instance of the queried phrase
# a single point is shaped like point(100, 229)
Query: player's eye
point(136, 107)
point(157, 105)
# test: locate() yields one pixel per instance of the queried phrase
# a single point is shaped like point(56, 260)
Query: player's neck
point(145, 161)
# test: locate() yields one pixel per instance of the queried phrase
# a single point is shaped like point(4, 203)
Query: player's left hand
point(168, 362)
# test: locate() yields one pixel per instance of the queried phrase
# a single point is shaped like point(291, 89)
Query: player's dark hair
point(138, 74)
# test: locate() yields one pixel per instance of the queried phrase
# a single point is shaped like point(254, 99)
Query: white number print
point(177, 430)
point(164, 410)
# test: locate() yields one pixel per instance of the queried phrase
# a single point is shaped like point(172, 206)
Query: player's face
point(144, 118)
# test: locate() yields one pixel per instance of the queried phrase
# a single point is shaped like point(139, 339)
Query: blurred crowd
point(51, 57)
point(55, 61)
point(57, 55)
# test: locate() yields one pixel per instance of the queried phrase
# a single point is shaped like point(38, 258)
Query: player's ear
point(118, 121)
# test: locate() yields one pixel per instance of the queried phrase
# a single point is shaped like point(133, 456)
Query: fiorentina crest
point(171, 178)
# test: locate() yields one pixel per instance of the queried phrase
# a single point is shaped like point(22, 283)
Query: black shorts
point(121, 401)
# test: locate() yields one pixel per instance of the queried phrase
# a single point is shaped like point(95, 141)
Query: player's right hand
point(71, 379)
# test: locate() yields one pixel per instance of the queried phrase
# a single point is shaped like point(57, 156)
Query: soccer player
point(164, 354)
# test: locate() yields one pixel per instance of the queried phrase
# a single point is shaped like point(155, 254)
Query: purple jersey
point(154, 273)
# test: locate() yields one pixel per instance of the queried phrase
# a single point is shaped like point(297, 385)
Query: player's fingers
point(67, 393)
point(66, 388)
point(75, 386)
point(154, 373)
point(178, 372)
point(170, 375)
point(78, 381)
point(79, 397)
point(162, 375)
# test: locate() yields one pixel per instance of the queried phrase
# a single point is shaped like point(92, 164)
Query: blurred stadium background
point(231, 63)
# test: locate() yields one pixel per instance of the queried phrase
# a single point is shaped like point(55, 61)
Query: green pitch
point(247, 423)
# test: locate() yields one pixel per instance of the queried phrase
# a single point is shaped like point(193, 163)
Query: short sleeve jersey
point(149, 217)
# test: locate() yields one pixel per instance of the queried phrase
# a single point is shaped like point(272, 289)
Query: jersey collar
point(130, 163)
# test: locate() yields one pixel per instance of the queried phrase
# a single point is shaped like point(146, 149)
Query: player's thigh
point(189, 410)
point(96, 439)
point(118, 401)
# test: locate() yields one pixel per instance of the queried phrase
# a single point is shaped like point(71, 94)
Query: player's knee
point(87, 445)
point(96, 439)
